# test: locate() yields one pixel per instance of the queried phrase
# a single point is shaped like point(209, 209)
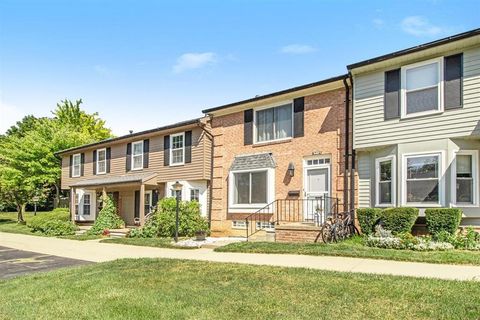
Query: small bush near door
point(55, 223)
point(367, 217)
point(399, 220)
point(107, 218)
point(443, 220)
point(162, 221)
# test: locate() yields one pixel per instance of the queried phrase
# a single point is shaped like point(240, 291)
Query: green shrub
point(367, 218)
point(54, 223)
point(443, 219)
point(399, 220)
point(162, 221)
point(107, 218)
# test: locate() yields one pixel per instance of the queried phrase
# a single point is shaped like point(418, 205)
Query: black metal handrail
point(315, 210)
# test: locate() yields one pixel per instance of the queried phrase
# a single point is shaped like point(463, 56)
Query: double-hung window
point(77, 165)
point(177, 150)
point(195, 195)
point(422, 181)
point(250, 188)
point(101, 161)
point(385, 178)
point(86, 204)
point(465, 178)
point(274, 123)
point(422, 88)
point(137, 155)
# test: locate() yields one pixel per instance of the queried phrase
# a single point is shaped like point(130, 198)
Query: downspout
point(346, 150)
point(352, 167)
point(210, 202)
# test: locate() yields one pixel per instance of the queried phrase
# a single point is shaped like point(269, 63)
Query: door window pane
point(317, 180)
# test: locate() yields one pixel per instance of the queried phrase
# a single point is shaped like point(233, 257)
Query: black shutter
point(298, 117)
point(82, 167)
point(95, 162)
point(453, 81)
point(188, 146)
point(128, 165)
point(392, 94)
point(146, 152)
point(166, 150)
point(137, 204)
point(154, 198)
point(109, 157)
point(248, 127)
point(71, 165)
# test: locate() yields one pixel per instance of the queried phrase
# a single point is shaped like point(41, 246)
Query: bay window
point(464, 179)
point(385, 181)
point(137, 155)
point(422, 88)
point(422, 180)
point(101, 161)
point(274, 123)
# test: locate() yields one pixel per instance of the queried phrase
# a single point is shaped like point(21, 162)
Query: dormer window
point(421, 84)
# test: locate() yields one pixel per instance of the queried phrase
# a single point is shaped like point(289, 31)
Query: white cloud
point(378, 23)
point(10, 114)
point(192, 60)
point(298, 49)
point(420, 26)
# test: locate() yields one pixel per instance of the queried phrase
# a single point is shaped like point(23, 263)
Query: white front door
point(85, 205)
point(317, 189)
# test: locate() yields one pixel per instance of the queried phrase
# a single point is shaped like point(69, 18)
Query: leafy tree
point(28, 164)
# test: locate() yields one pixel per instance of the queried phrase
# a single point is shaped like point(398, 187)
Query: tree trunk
point(21, 210)
point(56, 201)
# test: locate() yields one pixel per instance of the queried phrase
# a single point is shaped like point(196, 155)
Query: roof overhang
point(142, 178)
point(288, 94)
point(424, 51)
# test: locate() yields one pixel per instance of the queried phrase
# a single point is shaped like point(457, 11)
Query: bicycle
point(340, 227)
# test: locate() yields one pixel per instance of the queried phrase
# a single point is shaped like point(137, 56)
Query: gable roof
point(127, 136)
point(253, 161)
point(278, 93)
point(421, 47)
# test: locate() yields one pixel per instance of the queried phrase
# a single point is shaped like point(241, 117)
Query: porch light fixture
point(291, 169)
point(177, 187)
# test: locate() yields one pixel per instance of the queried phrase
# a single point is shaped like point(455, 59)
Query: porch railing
point(315, 210)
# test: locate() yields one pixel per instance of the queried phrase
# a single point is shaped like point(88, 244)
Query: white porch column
point(72, 203)
point(142, 204)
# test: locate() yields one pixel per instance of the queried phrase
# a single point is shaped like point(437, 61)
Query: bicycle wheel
point(326, 232)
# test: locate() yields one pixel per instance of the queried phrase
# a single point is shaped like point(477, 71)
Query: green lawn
point(174, 289)
point(355, 248)
point(8, 223)
point(146, 242)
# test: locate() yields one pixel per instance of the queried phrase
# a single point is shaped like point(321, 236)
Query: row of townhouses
point(402, 129)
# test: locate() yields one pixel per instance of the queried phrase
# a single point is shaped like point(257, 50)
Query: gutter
point(210, 201)
point(346, 151)
point(352, 167)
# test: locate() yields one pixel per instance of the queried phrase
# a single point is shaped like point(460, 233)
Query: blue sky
point(143, 64)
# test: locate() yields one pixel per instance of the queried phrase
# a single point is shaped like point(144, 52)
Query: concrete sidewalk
point(100, 252)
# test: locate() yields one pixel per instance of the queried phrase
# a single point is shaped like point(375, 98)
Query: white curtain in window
point(265, 125)
point(283, 121)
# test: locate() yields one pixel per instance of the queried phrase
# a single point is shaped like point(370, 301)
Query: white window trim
point(474, 154)
point(171, 149)
point(393, 181)
point(190, 195)
point(98, 161)
point(250, 208)
point(150, 202)
point(441, 179)
point(133, 155)
point(79, 155)
point(269, 106)
point(307, 167)
point(403, 98)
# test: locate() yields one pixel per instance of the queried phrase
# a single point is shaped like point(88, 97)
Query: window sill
point(176, 164)
point(423, 205)
point(265, 143)
point(137, 169)
point(384, 205)
point(420, 114)
point(464, 205)
point(100, 173)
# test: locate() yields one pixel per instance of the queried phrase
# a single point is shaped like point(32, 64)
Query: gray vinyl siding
point(371, 129)
point(364, 180)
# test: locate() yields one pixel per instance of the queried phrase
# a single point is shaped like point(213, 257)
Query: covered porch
point(134, 196)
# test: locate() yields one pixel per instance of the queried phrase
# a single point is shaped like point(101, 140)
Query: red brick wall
point(323, 133)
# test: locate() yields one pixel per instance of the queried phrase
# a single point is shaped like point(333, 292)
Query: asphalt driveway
point(15, 262)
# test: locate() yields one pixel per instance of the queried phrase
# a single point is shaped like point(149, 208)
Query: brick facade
point(324, 128)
